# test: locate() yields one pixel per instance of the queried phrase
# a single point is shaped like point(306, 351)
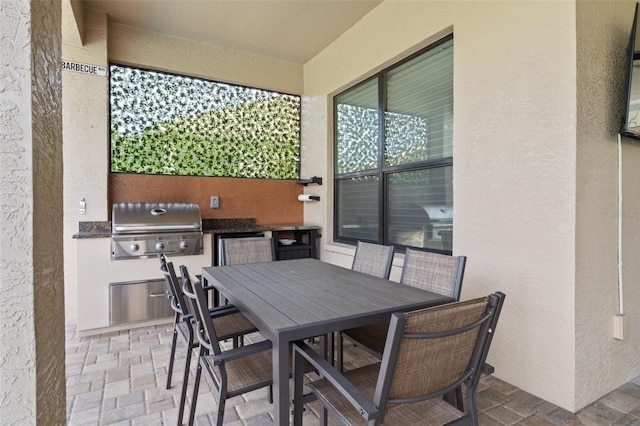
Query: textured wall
point(32, 377)
point(87, 139)
point(603, 30)
point(84, 131)
point(514, 162)
point(143, 48)
point(48, 276)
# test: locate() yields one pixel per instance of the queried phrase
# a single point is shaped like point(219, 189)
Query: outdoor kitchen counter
point(93, 230)
point(98, 273)
point(209, 226)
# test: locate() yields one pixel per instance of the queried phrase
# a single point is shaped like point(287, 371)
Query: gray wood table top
point(295, 299)
point(281, 297)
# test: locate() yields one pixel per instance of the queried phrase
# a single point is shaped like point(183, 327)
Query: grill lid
point(155, 217)
point(438, 212)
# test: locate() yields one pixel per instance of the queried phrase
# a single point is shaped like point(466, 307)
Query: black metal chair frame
point(208, 344)
point(362, 247)
point(456, 290)
point(374, 410)
point(183, 326)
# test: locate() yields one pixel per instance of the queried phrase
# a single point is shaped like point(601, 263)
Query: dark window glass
point(358, 203)
point(420, 207)
point(419, 112)
point(393, 176)
point(357, 127)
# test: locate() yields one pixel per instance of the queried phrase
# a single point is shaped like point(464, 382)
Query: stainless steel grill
point(145, 229)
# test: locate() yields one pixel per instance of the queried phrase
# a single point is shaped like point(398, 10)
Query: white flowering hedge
point(176, 125)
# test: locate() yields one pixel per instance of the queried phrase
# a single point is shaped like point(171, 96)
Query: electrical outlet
point(620, 326)
point(214, 202)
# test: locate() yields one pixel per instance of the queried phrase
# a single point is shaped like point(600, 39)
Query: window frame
point(382, 172)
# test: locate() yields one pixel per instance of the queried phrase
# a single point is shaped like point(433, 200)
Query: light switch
point(214, 202)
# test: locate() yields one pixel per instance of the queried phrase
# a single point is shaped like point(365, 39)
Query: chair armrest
point(344, 386)
point(208, 287)
point(220, 311)
point(242, 352)
point(174, 304)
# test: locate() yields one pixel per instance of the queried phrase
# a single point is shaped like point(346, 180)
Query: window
point(393, 151)
point(177, 125)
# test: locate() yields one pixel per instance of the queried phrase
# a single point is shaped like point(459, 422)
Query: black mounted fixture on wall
point(305, 182)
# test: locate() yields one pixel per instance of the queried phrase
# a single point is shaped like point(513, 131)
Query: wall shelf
point(305, 182)
point(304, 247)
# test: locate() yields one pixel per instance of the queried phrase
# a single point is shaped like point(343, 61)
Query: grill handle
point(158, 294)
point(163, 252)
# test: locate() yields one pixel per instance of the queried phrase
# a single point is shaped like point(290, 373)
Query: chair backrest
point(439, 273)
point(194, 292)
point(176, 297)
point(430, 352)
point(247, 250)
point(373, 259)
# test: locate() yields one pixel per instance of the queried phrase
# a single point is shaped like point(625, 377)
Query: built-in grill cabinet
point(146, 229)
point(133, 301)
point(140, 231)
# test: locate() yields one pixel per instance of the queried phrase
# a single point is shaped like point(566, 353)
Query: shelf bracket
point(305, 182)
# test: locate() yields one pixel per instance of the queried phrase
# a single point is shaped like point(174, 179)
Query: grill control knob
point(134, 247)
point(159, 245)
point(183, 245)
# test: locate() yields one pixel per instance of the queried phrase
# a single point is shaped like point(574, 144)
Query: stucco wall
point(602, 363)
point(32, 367)
point(133, 46)
point(86, 114)
point(514, 162)
point(85, 151)
point(535, 173)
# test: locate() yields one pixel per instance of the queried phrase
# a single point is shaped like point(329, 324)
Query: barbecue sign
point(84, 68)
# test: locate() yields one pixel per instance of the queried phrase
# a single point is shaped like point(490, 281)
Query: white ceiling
point(290, 30)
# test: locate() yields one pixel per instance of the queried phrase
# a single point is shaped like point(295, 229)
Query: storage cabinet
point(303, 242)
point(138, 301)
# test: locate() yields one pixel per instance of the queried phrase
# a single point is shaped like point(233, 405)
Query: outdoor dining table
point(298, 299)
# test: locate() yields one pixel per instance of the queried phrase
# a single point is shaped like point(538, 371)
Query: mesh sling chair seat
point(373, 259)
point(230, 323)
point(434, 272)
point(428, 353)
point(238, 251)
point(248, 250)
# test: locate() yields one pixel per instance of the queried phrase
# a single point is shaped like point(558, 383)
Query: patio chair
point(229, 373)
point(373, 259)
point(238, 251)
point(434, 272)
point(247, 250)
point(429, 353)
point(230, 323)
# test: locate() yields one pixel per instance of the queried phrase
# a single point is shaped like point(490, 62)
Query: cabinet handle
point(158, 294)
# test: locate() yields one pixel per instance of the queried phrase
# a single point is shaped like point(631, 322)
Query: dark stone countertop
point(209, 226)
point(93, 230)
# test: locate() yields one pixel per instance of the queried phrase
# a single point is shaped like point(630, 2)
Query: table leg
point(331, 348)
point(280, 353)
